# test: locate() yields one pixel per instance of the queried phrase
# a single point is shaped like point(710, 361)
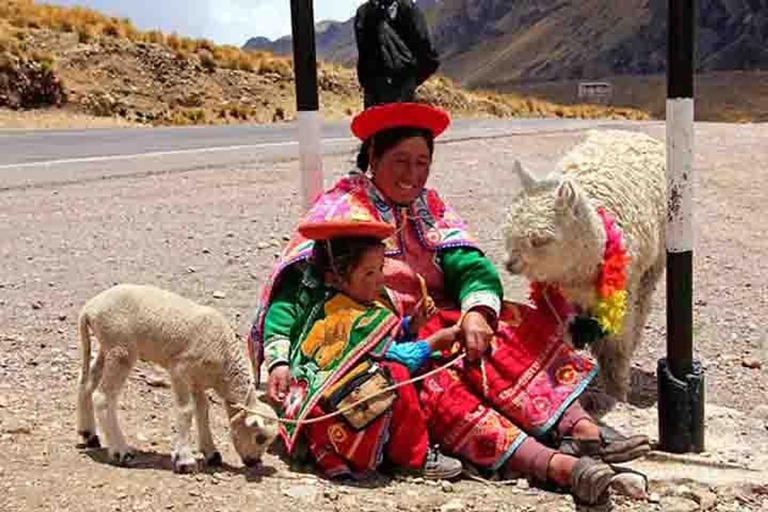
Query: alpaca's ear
point(526, 178)
point(567, 196)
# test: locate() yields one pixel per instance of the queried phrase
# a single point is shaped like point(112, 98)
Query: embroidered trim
point(276, 350)
point(482, 298)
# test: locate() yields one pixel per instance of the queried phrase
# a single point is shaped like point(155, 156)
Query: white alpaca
point(554, 234)
point(200, 351)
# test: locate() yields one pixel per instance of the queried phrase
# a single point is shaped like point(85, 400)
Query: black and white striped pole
point(680, 376)
point(307, 102)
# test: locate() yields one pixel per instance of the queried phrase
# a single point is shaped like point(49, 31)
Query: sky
point(223, 21)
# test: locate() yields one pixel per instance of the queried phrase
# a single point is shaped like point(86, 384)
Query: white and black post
point(680, 376)
point(307, 102)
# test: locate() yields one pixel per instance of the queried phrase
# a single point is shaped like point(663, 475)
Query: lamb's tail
point(85, 348)
point(86, 423)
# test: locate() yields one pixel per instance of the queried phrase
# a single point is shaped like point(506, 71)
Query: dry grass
point(90, 25)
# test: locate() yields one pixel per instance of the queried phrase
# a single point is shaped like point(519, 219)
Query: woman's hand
point(477, 334)
point(278, 383)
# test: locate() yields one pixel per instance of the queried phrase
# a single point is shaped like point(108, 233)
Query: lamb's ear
point(527, 180)
point(254, 420)
point(567, 196)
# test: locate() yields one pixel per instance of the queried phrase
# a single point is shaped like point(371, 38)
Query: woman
point(519, 384)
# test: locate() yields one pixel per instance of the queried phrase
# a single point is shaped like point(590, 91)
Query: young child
point(353, 267)
point(352, 325)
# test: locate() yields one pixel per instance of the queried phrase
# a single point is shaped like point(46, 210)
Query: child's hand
point(424, 310)
point(444, 338)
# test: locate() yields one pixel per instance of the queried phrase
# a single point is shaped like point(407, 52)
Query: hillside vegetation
point(83, 62)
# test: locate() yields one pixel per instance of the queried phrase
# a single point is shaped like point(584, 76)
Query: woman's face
point(401, 173)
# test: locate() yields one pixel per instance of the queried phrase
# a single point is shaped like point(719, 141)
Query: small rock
point(37, 305)
point(678, 504)
point(191, 270)
point(262, 245)
point(62, 317)
point(286, 238)
point(654, 498)
point(523, 484)
point(219, 295)
point(751, 363)
point(206, 250)
point(452, 506)
point(231, 235)
point(330, 494)
point(418, 480)
point(17, 429)
point(302, 492)
point(447, 486)
point(707, 500)
point(760, 412)
point(631, 485)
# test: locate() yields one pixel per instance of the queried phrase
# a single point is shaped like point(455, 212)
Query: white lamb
point(554, 234)
point(200, 351)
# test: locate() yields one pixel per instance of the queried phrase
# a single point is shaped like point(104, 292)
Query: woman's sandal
point(612, 447)
point(591, 481)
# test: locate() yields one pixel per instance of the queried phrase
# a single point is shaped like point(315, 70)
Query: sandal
point(612, 447)
point(591, 481)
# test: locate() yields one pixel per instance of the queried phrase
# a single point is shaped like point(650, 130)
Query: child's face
point(367, 277)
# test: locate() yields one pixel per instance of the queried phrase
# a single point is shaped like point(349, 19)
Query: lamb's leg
point(181, 454)
point(117, 366)
point(86, 419)
point(204, 436)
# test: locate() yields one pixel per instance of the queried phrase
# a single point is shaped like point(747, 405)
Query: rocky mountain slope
point(484, 43)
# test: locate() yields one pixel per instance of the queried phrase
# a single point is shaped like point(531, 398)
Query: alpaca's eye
point(539, 242)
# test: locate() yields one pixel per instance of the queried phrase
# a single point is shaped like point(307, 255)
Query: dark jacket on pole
point(395, 54)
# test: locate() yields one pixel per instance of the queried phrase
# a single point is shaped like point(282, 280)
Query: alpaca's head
point(552, 233)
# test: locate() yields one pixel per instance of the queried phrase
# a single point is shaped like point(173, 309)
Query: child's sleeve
point(412, 354)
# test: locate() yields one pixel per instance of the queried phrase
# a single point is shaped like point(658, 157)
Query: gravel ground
point(209, 231)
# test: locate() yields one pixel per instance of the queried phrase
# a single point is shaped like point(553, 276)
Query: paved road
point(32, 158)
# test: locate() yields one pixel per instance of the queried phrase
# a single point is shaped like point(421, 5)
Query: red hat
point(392, 115)
point(343, 228)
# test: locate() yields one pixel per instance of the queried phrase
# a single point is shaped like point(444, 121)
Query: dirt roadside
point(209, 231)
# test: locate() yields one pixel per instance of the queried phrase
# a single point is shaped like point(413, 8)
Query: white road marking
point(215, 149)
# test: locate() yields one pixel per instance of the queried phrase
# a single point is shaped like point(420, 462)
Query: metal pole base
point(681, 409)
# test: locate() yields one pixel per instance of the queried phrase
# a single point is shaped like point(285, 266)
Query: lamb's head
point(253, 429)
point(552, 233)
